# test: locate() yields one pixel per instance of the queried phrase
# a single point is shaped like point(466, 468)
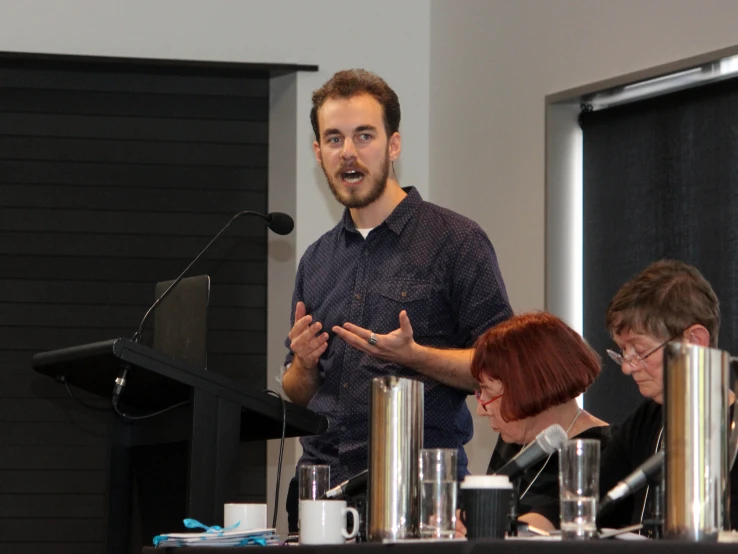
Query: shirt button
point(345, 385)
point(366, 253)
point(357, 296)
point(343, 427)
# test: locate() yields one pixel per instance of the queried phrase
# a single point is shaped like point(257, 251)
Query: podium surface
point(156, 381)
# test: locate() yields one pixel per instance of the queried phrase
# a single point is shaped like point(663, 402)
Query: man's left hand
point(397, 346)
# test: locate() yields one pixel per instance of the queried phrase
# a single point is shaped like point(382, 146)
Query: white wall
point(492, 64)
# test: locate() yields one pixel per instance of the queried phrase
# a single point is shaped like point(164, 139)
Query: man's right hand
point(302, 380)
point(305, 341)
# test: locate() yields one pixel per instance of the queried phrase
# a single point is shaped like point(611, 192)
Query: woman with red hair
point(530, 370)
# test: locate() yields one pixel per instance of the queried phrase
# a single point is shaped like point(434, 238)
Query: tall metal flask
point(696, 431)
point(395, 441)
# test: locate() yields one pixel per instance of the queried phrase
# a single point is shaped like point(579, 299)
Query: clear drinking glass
point(438, 493)
point(314, 481)
point(579, 488)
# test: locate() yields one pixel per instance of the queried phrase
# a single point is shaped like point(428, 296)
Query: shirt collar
point(399, 217)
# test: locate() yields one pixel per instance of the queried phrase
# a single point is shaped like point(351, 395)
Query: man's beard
point(353, 197)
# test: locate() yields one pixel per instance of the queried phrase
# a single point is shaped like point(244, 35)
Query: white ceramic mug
point(247, 516)
point(324, 522)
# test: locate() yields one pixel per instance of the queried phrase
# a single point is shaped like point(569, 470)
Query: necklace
point(573, 421)
point(648, 487)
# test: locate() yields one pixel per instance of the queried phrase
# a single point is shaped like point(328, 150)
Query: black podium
point(219, 415)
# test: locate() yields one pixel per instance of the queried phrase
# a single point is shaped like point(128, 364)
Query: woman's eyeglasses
point(484, 403)
point(634, 359)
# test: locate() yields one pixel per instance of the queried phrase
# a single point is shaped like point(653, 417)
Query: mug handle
point(355, 528)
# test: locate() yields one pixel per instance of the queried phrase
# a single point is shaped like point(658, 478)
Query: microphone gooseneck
point(278, 222)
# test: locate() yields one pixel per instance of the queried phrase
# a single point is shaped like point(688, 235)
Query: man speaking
point(399, 286)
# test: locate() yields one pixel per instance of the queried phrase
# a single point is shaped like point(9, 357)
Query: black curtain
point(660, 181)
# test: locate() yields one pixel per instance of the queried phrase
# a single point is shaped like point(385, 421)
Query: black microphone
point(349, 487)
point(648, 470)
point(546, 443)
point(278, 222)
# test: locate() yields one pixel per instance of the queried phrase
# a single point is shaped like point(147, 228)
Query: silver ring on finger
point(372, 339)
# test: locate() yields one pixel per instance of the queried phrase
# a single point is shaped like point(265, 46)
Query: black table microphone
point(648, 470)
point(350, 486)
point(546, 442)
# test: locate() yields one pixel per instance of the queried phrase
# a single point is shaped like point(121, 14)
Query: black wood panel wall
point(111, 179)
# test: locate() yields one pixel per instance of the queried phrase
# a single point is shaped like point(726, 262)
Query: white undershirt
point(364, 232)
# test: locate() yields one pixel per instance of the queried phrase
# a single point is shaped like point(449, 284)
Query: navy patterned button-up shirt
point(430, 261)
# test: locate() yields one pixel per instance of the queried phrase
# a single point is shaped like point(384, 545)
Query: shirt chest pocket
point(417, 298)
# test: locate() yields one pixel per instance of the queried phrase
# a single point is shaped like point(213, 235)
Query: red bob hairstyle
point(540, 360)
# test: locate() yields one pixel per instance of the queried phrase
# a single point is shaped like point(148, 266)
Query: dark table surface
point(486, 546)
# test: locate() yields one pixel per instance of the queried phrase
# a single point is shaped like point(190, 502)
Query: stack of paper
point(256, 537)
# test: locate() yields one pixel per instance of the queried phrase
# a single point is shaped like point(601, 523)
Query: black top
point(543, 496)
point(632, 443)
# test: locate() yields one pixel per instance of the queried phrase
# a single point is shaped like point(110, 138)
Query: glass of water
point(438, 493)
point(313, 481)
point(579, 488)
